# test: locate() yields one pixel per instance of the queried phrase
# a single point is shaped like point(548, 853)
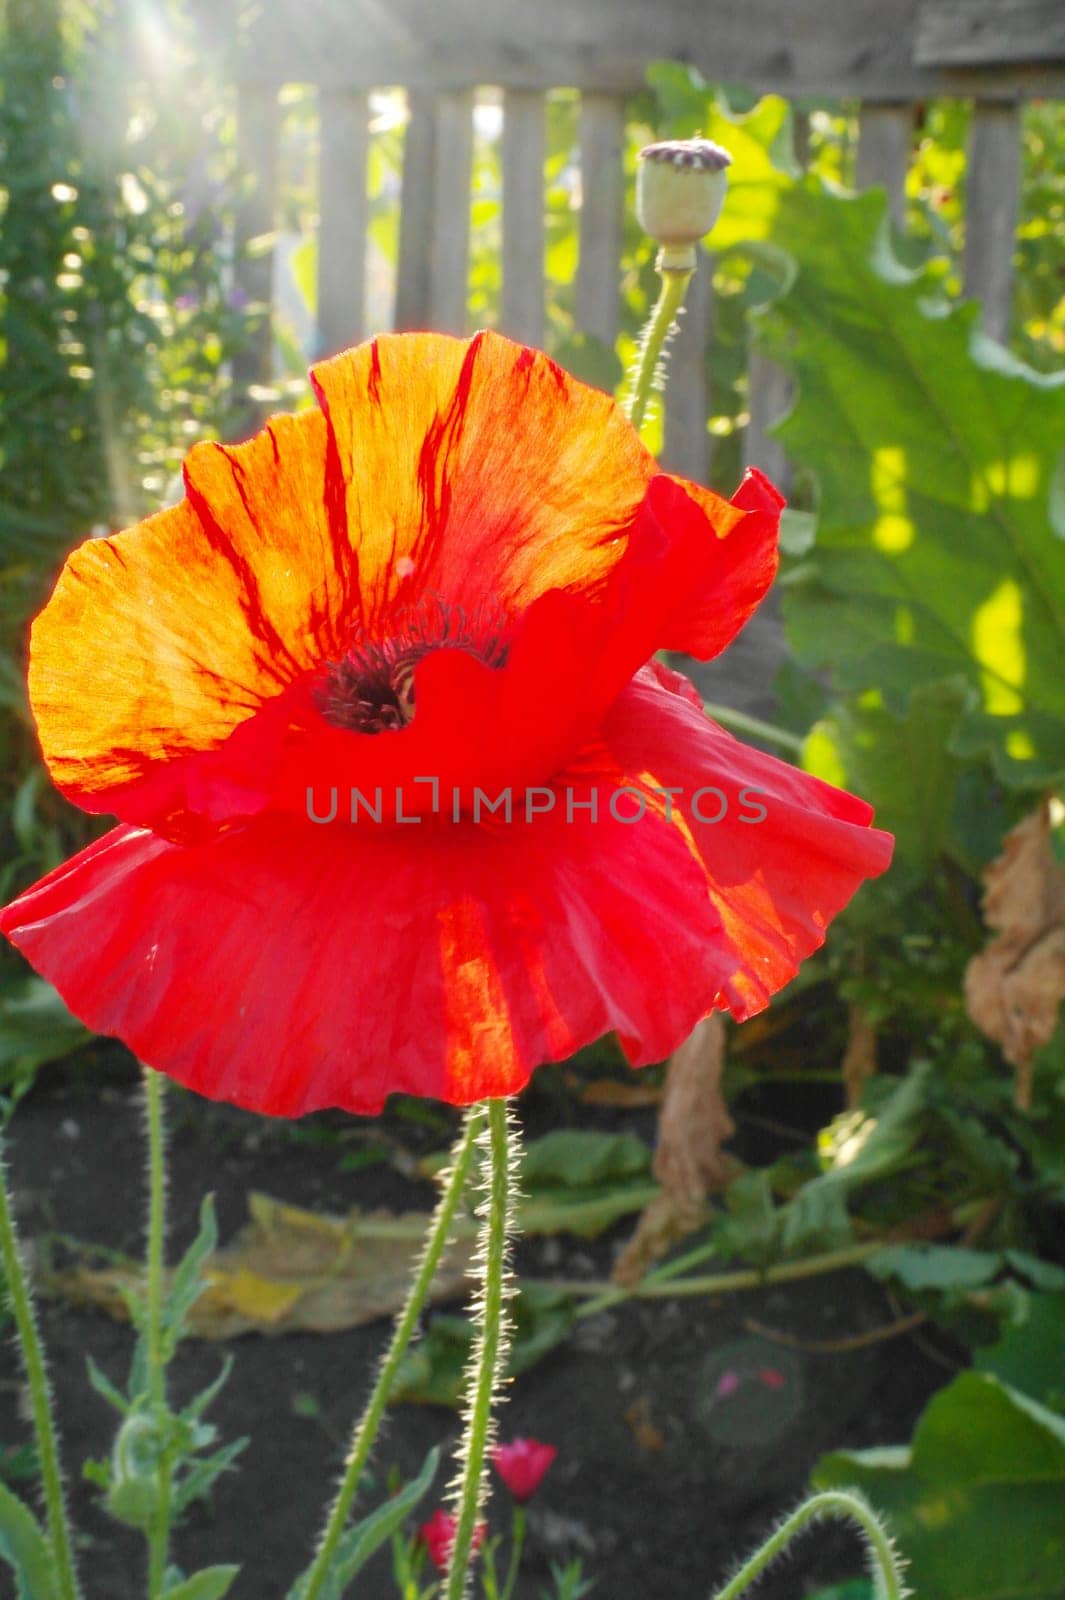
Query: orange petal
point(158, 642)
point(477, 469)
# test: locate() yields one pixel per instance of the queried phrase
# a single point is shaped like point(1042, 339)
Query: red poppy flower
point(300, 689)
point(521, 1464)
point(438, 1535)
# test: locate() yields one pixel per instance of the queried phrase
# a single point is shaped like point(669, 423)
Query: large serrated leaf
point(978, 1501)
point(902, 763)
point(24, 1548)
point(935, 455)
point(938, 457)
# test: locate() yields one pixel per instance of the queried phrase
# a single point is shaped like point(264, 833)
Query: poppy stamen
point(370, 689)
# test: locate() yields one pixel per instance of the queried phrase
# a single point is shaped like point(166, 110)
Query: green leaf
point(1030, 1355)
point(1041, 1274)
point(433, 1372)
point(358, 1544)
point(361, 1542)
point(35, 1027)
point(24, 1547)
point(187, 1283)
point(198, 1478)
point(976, 1501)
point(210, 1584)
point(105, 1387)
point(581, 1160)
point(583, 1182)
point(934, 454)
point(900, 763)
point(935, 1266)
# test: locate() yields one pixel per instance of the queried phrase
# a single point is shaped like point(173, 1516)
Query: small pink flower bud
point(522, 1464)
point(438, 1535)
point(680, 189)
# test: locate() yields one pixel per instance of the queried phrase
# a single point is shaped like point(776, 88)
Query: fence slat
point(885, 144)
point(992, 200)
point(967, 33)
point(449, 245)
point(523, 152)
point(859, 48)
point(769, 397)
point(258, 124)
point(686, 447)
point(601, 136)
point(416, 212)
point(343, 122)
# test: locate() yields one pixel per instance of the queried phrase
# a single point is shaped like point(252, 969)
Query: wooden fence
point(889, 54)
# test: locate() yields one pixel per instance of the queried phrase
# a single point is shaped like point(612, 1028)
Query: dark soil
point(653, 1488)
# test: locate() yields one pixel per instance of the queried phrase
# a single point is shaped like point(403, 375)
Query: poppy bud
point(133, 1494)
point(680, 189)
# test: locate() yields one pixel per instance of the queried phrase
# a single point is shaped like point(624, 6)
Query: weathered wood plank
point(523, 152)
point(769, 397)
point(343, 206)
point(970, 33)
point(863, 48)
point(416, 213)
point(258, 124)
point(449, 246)
point(992, 200)
point(885, 145)
point(686, 446)
point(601, 135)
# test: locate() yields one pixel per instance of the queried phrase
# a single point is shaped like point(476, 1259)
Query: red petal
point(773, 882)
point(287, 967)
point(571, 657)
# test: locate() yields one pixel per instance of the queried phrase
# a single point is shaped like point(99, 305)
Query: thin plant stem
point(653, 339)
point(490, 1351)
point(517, 1544)
point(754, 727)
point(664, 1281)
point(846, 1504)
point(159, 1530)
point(440, 1232)
point(664, 1287)
point(40, 1400)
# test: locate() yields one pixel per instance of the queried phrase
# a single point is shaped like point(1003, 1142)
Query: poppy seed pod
point(680, 190)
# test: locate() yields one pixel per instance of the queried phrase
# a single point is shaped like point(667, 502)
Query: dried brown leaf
point(1014, 988)
point(693, 1125)
point(291, 1270)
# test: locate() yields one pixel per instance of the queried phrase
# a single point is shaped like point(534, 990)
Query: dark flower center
point(371, 688)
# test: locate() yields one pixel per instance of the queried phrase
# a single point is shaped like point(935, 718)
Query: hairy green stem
point(652, 341)
point(846, 1504)
point(440, 1231)
point(159, 1531)
point(40, 1400)
point(490, 1351)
